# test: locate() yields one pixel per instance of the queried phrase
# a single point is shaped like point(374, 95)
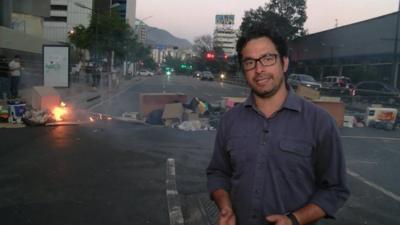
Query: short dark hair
point(260, 32)
point(16, 57)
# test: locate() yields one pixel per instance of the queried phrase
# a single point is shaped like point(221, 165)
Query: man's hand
point(278, 220)
point(226, 217)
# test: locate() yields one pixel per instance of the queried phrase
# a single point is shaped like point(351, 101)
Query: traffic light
point(210, 55)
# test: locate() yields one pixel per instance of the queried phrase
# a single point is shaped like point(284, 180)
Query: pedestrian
point(277, 158)
point(4, 78)
point(15, 70)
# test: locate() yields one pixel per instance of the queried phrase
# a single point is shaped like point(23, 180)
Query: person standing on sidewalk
point(15, 71)
point(4, 78)
point(278, 158)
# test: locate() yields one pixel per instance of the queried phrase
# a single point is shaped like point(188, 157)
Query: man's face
point(265, 80)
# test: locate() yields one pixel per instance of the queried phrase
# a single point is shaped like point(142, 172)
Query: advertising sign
point(225, 19)
point(56, 65)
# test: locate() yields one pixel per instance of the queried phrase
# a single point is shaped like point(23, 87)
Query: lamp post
point(395, 70)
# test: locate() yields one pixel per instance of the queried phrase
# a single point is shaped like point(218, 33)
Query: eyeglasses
point(265, 60)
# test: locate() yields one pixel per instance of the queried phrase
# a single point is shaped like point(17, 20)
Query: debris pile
point(171, 110)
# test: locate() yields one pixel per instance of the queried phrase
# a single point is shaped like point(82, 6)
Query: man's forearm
point(222, 198)
point(309, 213)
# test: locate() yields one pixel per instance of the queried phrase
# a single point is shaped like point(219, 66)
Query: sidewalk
point(82, 95)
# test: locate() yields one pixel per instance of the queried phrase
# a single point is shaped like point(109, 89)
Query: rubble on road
point(197, 114)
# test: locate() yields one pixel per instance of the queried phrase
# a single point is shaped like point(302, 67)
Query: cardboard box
point(45, 98)
point(173, 112)
point(153, 101)
point(307, 93)
point(188, 115)
point(335, 109)
point(349, 121)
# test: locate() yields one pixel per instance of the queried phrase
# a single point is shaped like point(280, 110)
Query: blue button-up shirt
point(279, 164)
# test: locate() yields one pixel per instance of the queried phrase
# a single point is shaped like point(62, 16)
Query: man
point(277, 158)
point(4, 78)
point(15, 70)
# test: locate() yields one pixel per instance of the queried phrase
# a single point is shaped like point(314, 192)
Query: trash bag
point(155, 117)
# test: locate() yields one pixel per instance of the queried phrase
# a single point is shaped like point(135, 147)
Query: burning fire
point(60, 111)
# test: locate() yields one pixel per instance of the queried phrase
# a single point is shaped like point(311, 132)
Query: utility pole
point(395, 70)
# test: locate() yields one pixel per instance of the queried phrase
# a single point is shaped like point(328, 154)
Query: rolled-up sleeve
point(219, 170)
point(330, 170)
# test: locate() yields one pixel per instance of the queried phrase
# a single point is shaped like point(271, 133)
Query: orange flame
point(60, 111)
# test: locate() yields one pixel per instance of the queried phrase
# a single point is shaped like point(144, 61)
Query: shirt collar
point(292, 101)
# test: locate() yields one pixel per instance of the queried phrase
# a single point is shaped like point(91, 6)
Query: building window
point(56, 19)
point(59, 7)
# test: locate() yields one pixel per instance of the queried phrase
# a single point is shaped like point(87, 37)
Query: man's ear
point(285, 64)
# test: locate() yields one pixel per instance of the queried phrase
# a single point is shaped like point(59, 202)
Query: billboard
point(225, 19)
point(56, 65)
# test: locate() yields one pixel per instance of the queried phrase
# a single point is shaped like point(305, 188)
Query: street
point(113, 172)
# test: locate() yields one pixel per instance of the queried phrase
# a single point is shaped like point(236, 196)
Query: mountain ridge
point(157, 36)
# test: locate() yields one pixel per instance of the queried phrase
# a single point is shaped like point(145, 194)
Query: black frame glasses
point(265, 60)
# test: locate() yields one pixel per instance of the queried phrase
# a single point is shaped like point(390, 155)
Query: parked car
point(303, 79)
point(206, 75)
point(337, 82)
point(145, 73)
point(374, 88)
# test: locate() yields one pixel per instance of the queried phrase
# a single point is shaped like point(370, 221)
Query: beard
point(268, 92)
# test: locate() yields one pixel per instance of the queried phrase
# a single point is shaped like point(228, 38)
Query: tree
point(284, 16)
point(203, 44)
point(108, 33)
point(79, 38)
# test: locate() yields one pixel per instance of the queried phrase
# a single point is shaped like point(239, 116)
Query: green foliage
point(108, 33)
point(79, 37)
point(284, 16)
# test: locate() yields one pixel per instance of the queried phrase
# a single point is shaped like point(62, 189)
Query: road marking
point(365, 137)
point(174, 206)
point(363, 161)
point(373, 185)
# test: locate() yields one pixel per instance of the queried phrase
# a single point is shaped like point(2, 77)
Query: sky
point(192, 18)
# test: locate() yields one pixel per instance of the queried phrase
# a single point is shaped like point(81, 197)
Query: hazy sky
point(192, 18)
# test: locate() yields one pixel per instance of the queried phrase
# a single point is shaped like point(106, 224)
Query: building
point(21, 32)
point(64, 15)
point(141, 30)
point(363, 50)
point(125, 8)
point(225, 36)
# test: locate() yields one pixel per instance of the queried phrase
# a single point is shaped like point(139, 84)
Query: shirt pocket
point(301, 149)
point(294, 157)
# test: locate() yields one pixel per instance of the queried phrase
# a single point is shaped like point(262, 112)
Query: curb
point(174, 205)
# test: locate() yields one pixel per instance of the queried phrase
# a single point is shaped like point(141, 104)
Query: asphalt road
point(112, 172)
